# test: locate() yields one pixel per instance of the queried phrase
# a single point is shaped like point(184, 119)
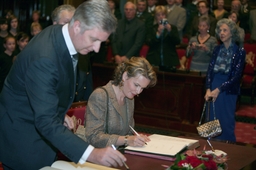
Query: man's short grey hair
point(232, 26)
point(95, 14)
point(56, 12)
point(129, 2)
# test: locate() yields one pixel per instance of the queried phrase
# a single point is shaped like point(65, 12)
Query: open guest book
point(64, 165)
point(163, 147)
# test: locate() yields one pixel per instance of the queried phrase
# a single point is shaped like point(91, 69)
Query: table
point(240, 157)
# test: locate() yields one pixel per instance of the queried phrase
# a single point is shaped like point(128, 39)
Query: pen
point(210, 145)
point(135, 132)
point(126, 166)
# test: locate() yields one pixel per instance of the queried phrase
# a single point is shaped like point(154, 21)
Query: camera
point(196, 46)
point(164, 22)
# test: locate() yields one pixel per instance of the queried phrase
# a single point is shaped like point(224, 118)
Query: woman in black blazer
point(162, 40)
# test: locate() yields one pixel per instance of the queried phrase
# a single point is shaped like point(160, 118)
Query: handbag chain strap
point(106, 126)
point(202, 115)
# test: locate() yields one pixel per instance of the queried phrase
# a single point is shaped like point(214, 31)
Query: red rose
point(193, 161)
point(210, 165)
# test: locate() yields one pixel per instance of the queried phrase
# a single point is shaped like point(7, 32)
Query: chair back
point(144, 51)
point(78, 111)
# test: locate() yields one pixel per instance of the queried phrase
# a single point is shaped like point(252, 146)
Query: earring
point(137, 95)
point(208, 31)
point(121, 83)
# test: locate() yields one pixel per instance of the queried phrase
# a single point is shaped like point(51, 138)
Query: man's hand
point(107, 157)
point(119, 59)
point(69, 123)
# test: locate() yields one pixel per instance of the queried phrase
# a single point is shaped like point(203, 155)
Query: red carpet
point(246, 132)
point(247, 110)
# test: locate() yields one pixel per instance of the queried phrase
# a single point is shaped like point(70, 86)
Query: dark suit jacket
point(36, 96)
point(128, 38)
point(244, 16)
point(148, 19)
point(170, 40)
point(118, 14)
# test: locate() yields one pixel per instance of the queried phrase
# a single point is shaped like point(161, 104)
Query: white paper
point(164, 145)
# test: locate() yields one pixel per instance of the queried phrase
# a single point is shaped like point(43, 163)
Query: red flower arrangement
point(196, 160)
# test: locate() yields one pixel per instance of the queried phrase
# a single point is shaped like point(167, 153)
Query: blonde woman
point(109, 112)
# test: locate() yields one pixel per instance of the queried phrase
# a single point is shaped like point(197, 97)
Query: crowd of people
point(43, 82)
point(136, 26)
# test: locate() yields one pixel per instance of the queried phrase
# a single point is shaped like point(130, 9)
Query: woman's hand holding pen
point(137, 141)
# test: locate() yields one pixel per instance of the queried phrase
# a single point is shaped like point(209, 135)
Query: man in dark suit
point(144, 15)
point(152, 6)
point(40, 89)
point(129, 36)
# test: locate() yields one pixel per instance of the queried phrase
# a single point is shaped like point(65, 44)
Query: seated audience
point(129, 36)
point(110, 110)
point(204, 10)
point(176, 16)
point(162, 41)
point(252, 23)
point(223, 78)
point(6, 58)
point(234, 16)
point(13, 25)
point(201, 46)
point(220, 12)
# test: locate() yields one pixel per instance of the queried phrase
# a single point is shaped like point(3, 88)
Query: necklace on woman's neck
point(119, 94)
point(203, 36)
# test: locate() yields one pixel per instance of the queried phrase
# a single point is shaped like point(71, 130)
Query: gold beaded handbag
point(210, 128)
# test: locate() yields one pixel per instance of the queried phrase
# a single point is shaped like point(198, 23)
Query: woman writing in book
point(109, 112)
point(223, 77)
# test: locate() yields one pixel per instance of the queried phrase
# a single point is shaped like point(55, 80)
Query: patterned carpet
point(246, 124)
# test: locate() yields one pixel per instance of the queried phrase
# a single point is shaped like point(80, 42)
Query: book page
point(164, 145)
point(64, 165)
